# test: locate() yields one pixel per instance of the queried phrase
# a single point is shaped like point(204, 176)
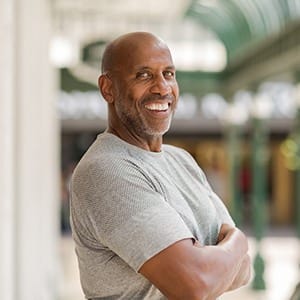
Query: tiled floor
point(280, 251)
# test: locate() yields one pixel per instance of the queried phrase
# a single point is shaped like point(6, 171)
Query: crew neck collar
point(132, 147)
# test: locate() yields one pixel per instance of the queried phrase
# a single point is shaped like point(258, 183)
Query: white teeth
point(157, 106)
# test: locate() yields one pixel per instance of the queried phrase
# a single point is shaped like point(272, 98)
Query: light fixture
point(63, 52)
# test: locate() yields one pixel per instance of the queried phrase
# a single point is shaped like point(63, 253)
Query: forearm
point(188, 270)
point(217, 271)
point(226, 265)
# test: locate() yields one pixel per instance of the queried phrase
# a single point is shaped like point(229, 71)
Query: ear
point(105, 87)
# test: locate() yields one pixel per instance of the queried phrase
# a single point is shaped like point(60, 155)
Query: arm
point(244, 270)
point(188, 271)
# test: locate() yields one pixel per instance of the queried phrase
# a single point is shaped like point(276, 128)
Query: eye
point(169, 74)
point(143, 75)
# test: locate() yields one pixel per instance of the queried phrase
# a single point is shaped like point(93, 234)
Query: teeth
point(157, 106)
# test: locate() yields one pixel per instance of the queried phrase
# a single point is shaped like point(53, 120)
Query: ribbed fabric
point(128, 204)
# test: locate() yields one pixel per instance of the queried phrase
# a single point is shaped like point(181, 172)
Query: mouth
point(157, 106)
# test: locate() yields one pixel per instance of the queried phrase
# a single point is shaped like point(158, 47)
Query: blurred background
point(238, 68)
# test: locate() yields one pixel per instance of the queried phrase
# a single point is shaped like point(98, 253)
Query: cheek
point(120, 88)
point(137, 95)
point(175, 91)
point(116, 93)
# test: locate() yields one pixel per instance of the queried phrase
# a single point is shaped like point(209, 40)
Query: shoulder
point(107, 155)
point(105, 166)
point(182, 158)
point(179, 154)
point(174, 150)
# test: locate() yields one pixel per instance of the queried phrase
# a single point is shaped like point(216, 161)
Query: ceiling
point(106, 19)
point(243, 24)
point(84, 22)
point(237, 23)
point(205, 36)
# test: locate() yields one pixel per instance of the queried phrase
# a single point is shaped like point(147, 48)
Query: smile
point(157, 106)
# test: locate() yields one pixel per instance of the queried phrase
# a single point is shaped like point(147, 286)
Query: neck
point(152, 143)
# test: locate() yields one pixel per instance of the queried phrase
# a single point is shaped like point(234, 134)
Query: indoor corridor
point(238, 68)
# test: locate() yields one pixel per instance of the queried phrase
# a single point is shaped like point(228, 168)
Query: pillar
point(29, 160)
point(234, 152)
point(259, 196)
point(282, 181)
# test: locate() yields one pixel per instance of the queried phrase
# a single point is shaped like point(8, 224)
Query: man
point(145, 221)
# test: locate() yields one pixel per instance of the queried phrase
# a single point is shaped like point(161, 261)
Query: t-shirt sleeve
point(126, 214)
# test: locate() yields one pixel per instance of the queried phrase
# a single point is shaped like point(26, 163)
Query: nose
point(161, 86)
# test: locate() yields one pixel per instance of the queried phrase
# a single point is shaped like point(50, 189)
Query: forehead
point(146, 54)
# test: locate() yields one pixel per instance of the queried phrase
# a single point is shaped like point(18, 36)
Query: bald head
point(117, 52)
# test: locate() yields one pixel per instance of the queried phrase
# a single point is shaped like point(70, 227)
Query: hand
point(244, 274)
point(225, 231)
point(244, 265)
point(232, 239)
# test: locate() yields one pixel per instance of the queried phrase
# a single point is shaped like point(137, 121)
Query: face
point(145, 91)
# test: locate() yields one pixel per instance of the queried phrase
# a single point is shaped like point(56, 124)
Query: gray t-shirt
point(127, 205)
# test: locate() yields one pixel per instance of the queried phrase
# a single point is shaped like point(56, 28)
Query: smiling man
point(146, 223)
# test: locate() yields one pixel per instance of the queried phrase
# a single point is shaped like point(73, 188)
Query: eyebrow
point(145, 68)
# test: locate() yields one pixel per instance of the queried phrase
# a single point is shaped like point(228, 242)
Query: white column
point(7, 148)
point(29, 162)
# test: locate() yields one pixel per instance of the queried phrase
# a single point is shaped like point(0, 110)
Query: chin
point(160, 131)
point(157, 133)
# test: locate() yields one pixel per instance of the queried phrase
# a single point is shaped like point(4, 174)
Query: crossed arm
point(187, 270)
